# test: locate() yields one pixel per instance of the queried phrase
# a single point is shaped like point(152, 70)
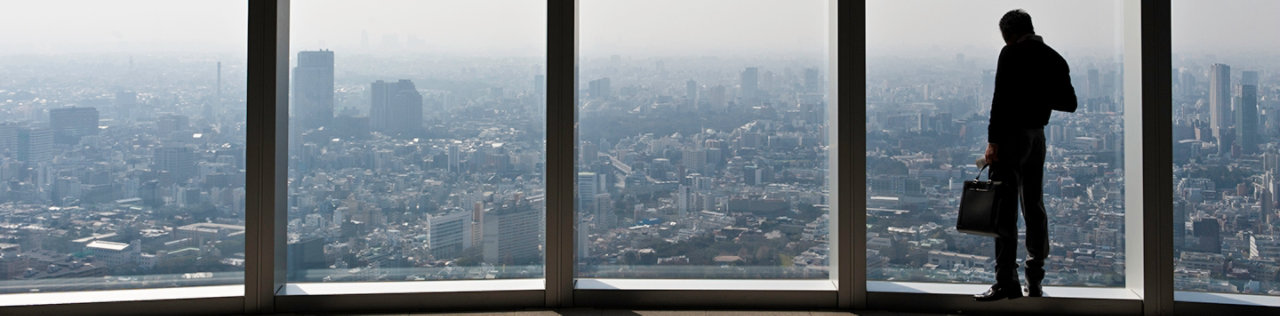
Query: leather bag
point(978, 206)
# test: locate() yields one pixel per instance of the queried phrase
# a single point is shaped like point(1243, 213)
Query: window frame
point(1149, 266)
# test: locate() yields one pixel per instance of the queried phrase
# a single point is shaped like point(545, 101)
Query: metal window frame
point(1150, 267)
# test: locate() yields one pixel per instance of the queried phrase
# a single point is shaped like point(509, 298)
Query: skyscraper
point(396, 107)
point(69, 124)
point(813, 82)
point(1247, 113)
point(313, 89)
point(178, 161)
point(599, 88)
point(35, 145)
point(691, 93)
point(450, 234)
point(1219, 101)
point(750, 84)
point(512, 234)
point(586, 191)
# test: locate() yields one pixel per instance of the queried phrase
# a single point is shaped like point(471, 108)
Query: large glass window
point(1226, 133)
point(122, 145)
point(702, 140)
point(930, 82)
point(416, 140)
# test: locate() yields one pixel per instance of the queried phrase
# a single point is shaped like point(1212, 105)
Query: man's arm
point(1065, 97)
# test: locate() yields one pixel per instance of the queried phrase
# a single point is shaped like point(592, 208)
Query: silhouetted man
point(1031, 80)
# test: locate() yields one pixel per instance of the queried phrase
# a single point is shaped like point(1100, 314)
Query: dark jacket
point(1031, 80)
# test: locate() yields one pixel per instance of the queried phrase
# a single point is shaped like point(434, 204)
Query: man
point(1031, 80)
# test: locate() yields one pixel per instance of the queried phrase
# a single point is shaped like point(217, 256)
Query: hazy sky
point(70, 26)
point(897, 27)
point(484, 27)
point(1078, 26)
point(1225, 26)
point(663, 27)
point(702, 27)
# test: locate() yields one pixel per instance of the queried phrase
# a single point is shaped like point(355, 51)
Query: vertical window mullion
point(267, 146)
point(561, 86)
point(1157, 151)
point(852, 140)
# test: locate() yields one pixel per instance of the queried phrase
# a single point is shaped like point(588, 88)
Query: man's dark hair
point(1014, 24)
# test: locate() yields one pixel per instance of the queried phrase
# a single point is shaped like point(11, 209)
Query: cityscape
point(127, 170)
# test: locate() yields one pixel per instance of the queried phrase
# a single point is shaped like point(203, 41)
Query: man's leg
point(1033, 211)
point(1007, 285)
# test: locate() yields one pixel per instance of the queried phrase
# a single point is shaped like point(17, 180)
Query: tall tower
point(313, 89)
point(813, 81)
point(750, 83)
point(691, 93)
point(1219, 101)
point(1247, 113)
point(396, 107)
point(586, 191)
point(217, 96)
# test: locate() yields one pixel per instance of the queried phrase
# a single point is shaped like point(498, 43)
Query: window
point(416, 141)
point(1225, 107)
point(702, 140)
point(122, 146)
point(929, 90)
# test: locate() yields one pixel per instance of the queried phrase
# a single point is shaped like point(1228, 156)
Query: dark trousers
point(1020, 165)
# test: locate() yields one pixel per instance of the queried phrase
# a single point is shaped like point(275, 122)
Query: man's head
point(1014, 25)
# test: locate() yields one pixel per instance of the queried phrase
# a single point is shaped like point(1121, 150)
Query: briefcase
point(978, 206)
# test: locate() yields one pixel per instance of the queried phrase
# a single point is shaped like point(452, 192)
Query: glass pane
point(931, 81)
point(702, 140)
point(1226, 127)
point(122, 145)
point(416, 140)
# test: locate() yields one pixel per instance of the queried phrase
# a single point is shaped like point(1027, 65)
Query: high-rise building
point(813, 81)
point(125, 103)
point(1208, 232)
point(1219, 100)
point(512, 234)
point(1247, 116)
point(313, 89)
point(304, 255)
point(450, 234)
point(691, 94)
point(178, 161)
point(599, 88)
point(69, 124)
point(718, 97)
point(396, 107)
point(8, 139)
point(35, 145)
point(1094, 85)
point(586, 191)
point(749, 84)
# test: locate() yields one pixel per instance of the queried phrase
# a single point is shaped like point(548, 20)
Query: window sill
point(27, 299)
point(348, 288)
point(970, 289)
point(703, 285)
point(1224, 298)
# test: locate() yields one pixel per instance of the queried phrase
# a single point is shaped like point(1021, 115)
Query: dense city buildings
point(926, 124)
point(1224, 188)
point(105, 182)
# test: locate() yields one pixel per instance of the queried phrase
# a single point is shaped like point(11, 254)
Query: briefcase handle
point(984, 167)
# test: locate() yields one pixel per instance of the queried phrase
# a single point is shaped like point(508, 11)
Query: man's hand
point(991, 153)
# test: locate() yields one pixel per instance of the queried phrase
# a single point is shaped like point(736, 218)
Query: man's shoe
point(1034, 290)
point(999, 292)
